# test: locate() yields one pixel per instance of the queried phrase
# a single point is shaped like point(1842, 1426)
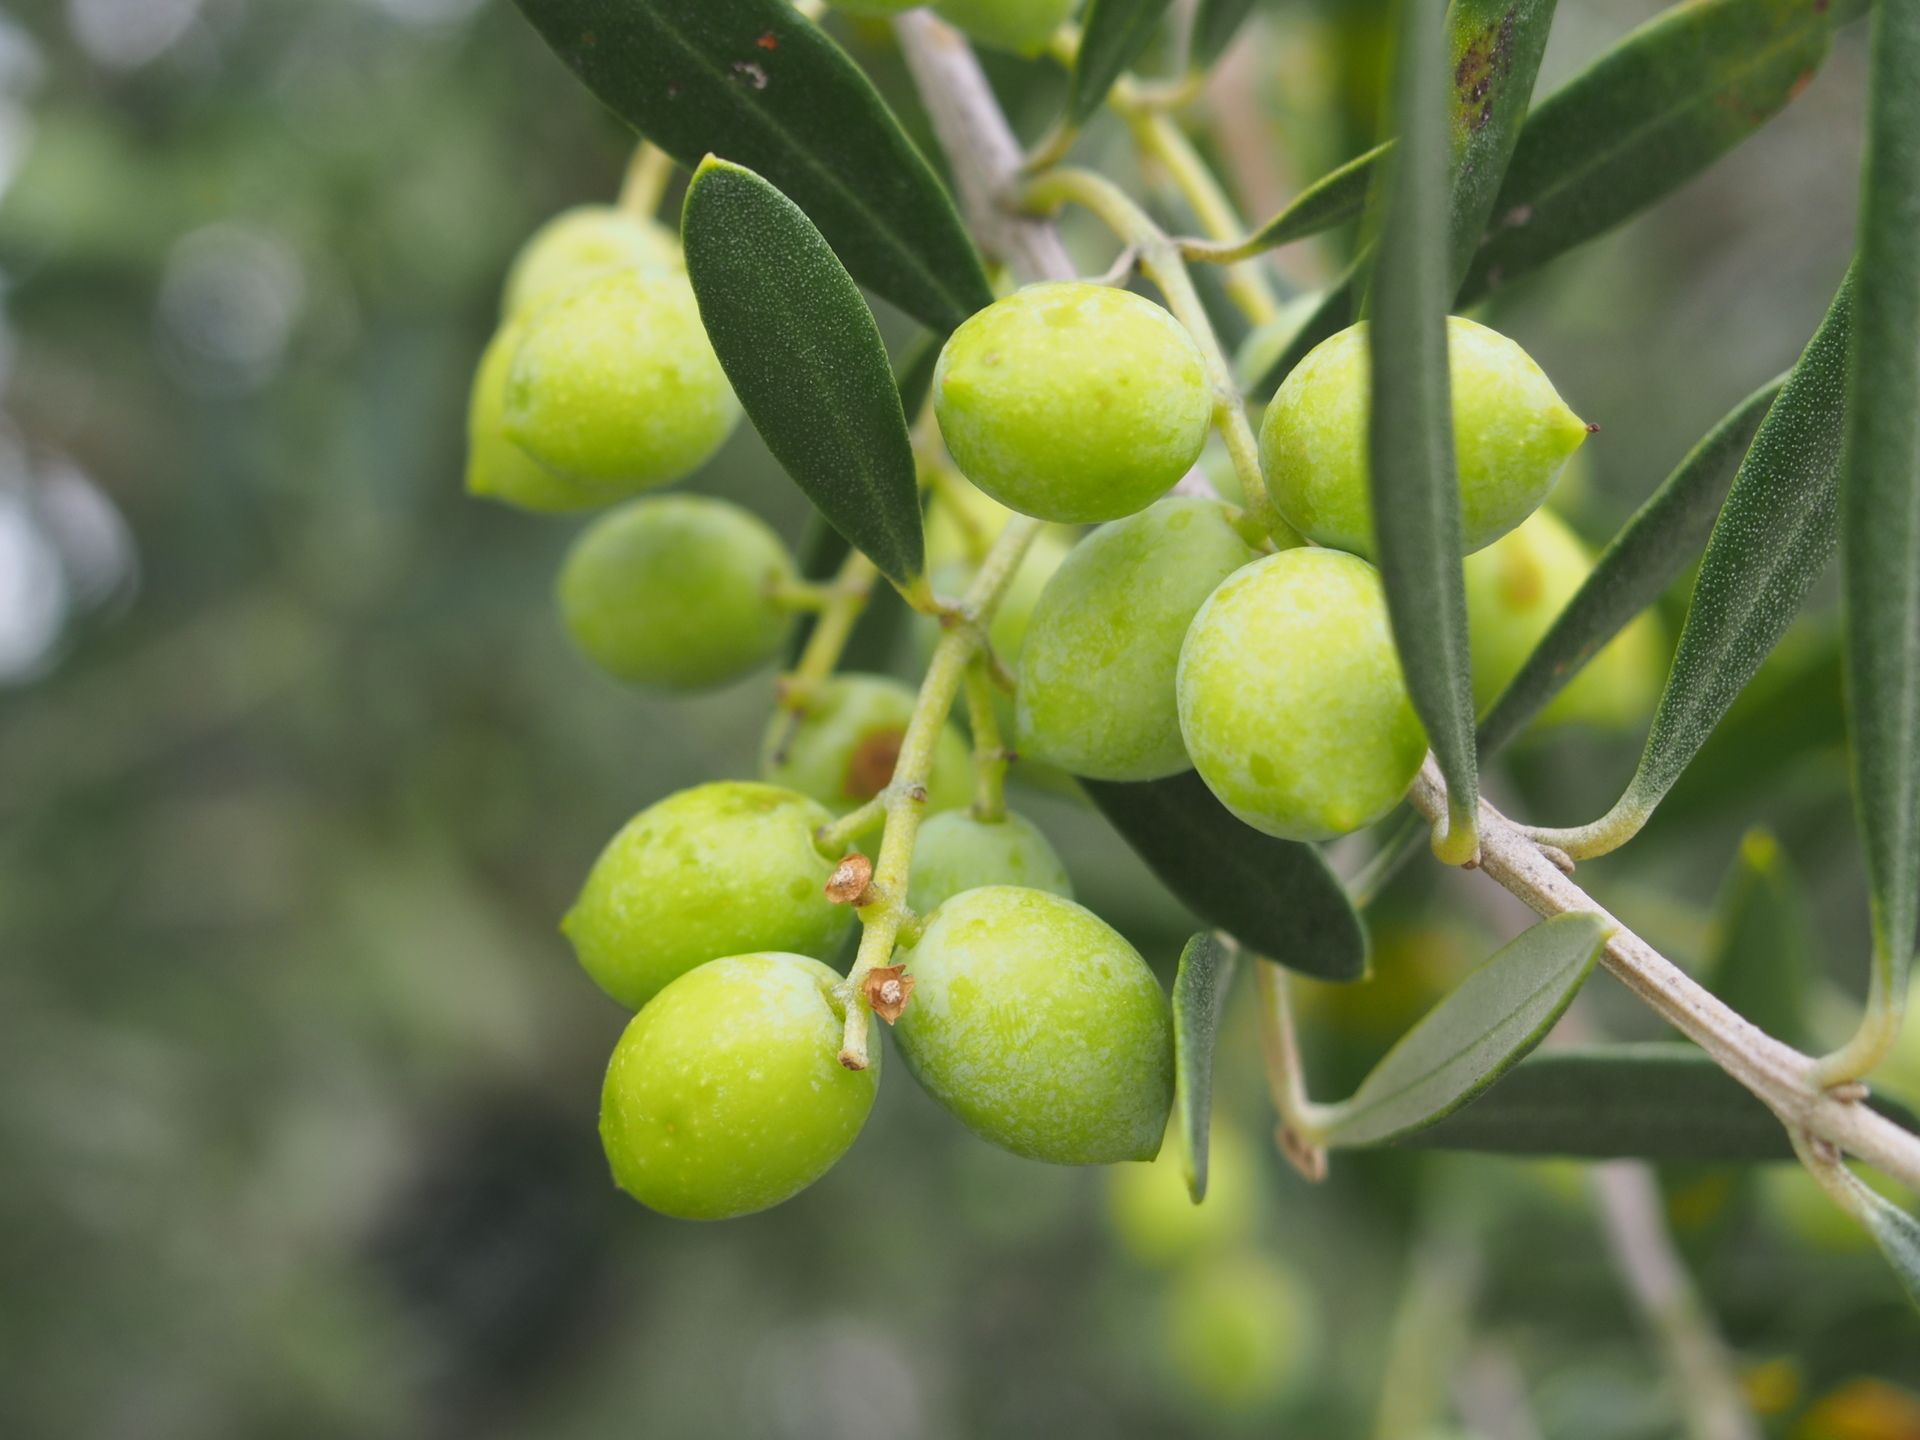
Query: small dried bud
point(888, 989)
point(848, 883)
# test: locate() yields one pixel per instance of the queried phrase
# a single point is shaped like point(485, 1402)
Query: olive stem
point(1608, 833)
point(906, 796)
point(832, 839)
point(1869, 1044)
point(646, 181)
point(1303, 1124)
point(989, 753)
point(805, 596)
point(831, 631)
point(1160, 259)
point(1785, 1081)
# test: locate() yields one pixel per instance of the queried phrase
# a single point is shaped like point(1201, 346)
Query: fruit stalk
point(646, 181)
point(831, 631)
point(1301, 1121)
point(989, 753)
point(906, 797)
point(1780, 1076)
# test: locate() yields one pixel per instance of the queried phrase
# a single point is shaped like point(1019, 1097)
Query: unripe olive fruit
point(1022, 26)
point(1292, 701)
point(956, 852)
point(615, 384)
point(1073, 402)
point(1097, 672)
point(1039, 1028)
point(676, 591)
point(1152, 1211)
point(717, 870)
point(842, 752)
point(580, 245)
point(726, 1094)
point(1511, 434)
point(1242, 1330)
point(1516, 588)
point(496, 467)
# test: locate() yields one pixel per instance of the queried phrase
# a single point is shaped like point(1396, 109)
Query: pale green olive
point(1242, 1331)
point(1511, 434)
point(1292, 701)
point(1039, 1028)
point(726, 1095)
point(843, 750)
point(1097, 695)
point(1516, 588)
point(583, 244)
point(956, 852)
point(720, 869)
point(615, 384)
point(1022, 26)
point(496, 467)
point(1073, 402)
point(677, 592)
point(1152, 1211)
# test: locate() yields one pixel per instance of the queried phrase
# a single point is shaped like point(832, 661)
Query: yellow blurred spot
point(1863, 1410)
point(1771, 1386)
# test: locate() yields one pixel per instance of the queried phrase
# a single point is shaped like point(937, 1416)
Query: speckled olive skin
point(717, 870)
point(725, 1095)
point(1022, 26)
point(1516, 588)
point(1511, 433)
point(615, 384)
point(1039, 1028)
point(1072, 402)
point(956, 852)
point(581, 245)
point(1097, 695)
point(497, 468)
point(676, 592)
point(843, 751)
point(1292, 701)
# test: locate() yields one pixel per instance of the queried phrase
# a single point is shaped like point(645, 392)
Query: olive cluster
point(1172, 636)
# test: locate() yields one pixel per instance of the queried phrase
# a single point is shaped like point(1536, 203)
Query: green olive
point(1511, 434)
point(1242, 1331)
point(496, 467)
point(1039, 1028)
point(1292, 702)
point(726, 1095)
point(956, 852)
point(717, 870)
point(843, 750)
point(1022, 26)
point(1153, 1213)
point(676, 591)
point(1516, 588)
point(1097, 694)
point(583, 244)
point(615, 384)
point(1073, 402)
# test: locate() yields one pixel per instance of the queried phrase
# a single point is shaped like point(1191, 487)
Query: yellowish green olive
point(677, 591)
point(726, 1095)
point(496, 467)
point(1022, 26)
point(1242, 1331)
point(720, 869)
point(583, 244)
point(1153, 1214)
point(843, 749)
point(956, 852)
point(1292, 702)
point(1511, 433)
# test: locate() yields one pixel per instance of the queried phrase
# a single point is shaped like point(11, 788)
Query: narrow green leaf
point(1199, 989)
point(1772, 540)
point(1335, 198)
point(1643, 559)
point(1215, 27)
point(1276, 897)
point(1474, 1036)
point(1416, 492)
point(1880, 501)
point(1642, 120)
point(1762, 963)
point(806, 360)
point(1493, 53)
point(758, 83)
point(1897, 1234)
point(1113, 36)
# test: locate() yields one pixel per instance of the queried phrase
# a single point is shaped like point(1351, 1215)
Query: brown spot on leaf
point(1800, 83)
point(888, 989)
point(870, 767)
point(848, 883)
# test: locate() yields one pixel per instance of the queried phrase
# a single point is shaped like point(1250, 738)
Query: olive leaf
point(1493, 56)
point(1416, 490)
point(1880, 503)
point(805, 357)
point(1335, 198)
point(1896, 1233)
point(913, 376)
point(1276, 897)
point(1112, 37)
point(1647, 116)
point(1474, 1036)
point(1763, 957)
point(1330, 317)
point(756, 82)
point(1199, 990)
point(1646, 556)
point(1215, 25)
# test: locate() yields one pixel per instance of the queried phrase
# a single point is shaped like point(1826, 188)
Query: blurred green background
point(298, 1081)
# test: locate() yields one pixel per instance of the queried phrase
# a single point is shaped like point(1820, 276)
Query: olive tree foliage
point(806, 190)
